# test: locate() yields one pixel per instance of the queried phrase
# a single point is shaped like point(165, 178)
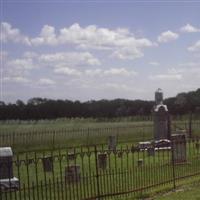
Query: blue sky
point(98, 50)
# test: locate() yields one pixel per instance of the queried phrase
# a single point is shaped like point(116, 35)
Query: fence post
point(190, 125)
point(97, 173)
point(173, 165)
point(54, 134)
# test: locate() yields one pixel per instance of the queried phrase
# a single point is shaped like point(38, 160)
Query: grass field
point(185, 192)
point(46, 134)
point(57, 139)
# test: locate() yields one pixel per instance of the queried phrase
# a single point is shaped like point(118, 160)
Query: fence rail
point(96, 172)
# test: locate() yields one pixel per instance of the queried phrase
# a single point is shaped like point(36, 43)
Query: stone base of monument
point(9, 184)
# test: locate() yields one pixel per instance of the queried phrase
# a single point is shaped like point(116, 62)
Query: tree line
point(43, 108)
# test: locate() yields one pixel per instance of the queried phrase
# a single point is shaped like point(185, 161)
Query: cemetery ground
point(125, 173)
point(188, 191)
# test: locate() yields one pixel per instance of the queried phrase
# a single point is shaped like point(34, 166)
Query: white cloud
point(110, 72)
point(67, 71)
point(122, 43)
point(93, 72)
point(69, 58)
point(154, 63)
point(46, 81)
point(195, 47)
point(21, 64)
point(166, 77)
point(16, 79)
point(8, 33)
point(167, 36)
point(189, 29)
point(119, 71)
point(47, 36)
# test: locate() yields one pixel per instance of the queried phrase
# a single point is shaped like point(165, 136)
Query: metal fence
point(74, 137)
point(97, 172)
point(87, 136)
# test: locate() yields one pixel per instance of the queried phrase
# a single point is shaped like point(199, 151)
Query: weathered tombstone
point(120, 154)
point(102, 160)
point(7, 180)
point(72, 173)
point(71, 156)
point(161, 118)
point(197, 145)
point(140, 162)
point(47, 164)
point(112, 142)
point(151, 151)
point(179, 148)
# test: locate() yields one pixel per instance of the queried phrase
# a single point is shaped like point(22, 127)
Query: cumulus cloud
point(166, 77)
point(154, 63)
point(47, 36)
point(195, 47)
point(93, 72)
point(70, 58)
point(8, 33)
point(119, 71)
point(46, 81)
point(167, 36)
point(189, 29)
point(110, 72)
point(17, 70)
point(67, 71)
point(16, 79)
point(122, 43)
point(21, 63)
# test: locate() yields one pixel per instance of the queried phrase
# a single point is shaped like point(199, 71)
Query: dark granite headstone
point(102, 160)
point(112, 142)
point(140, 162)
point(71, 156)
point(47, 164)
point(72, 173)
point(151, 151)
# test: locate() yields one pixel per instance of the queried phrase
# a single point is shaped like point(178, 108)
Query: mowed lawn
point(191, 192)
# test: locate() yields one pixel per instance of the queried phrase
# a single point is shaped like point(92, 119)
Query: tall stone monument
point(161, 117)
point(7, 180)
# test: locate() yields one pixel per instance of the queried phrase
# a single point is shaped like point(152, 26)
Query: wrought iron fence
point(97, 172)
point(86, 136)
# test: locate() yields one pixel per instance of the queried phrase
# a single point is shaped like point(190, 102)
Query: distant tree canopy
point(42, 108)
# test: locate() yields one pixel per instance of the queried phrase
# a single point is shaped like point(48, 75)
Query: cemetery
point(117, 168)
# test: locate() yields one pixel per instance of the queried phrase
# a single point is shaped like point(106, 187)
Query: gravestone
point(72, 174)
point(7, 180)
point(179, 148)
point(161, 118)
point(102, 160)
point(197, 145)
point(47, 164)
point(112, 142)
point(71, 156)
point(140, 162)
point(151, 151)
